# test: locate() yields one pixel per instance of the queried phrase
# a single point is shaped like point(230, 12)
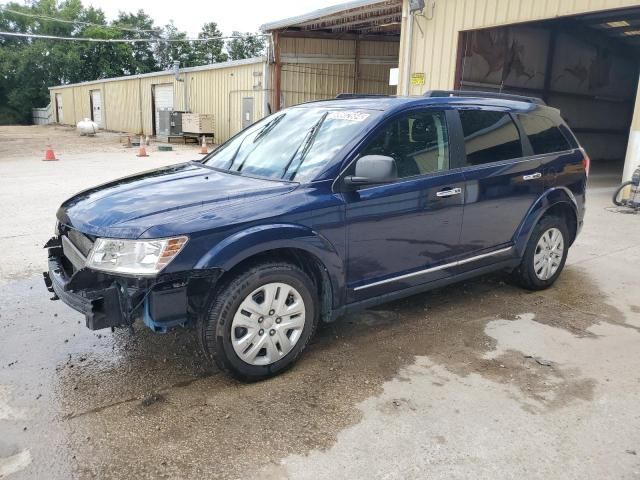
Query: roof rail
point(474, 93)
point(342, 96)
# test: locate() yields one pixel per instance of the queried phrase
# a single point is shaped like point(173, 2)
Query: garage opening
point(587, 66)
point(348, 48)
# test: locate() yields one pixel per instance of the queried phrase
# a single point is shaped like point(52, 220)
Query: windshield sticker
point(349, 116)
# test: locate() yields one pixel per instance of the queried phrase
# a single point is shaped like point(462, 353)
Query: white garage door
point(163, 95)
point(96, 107)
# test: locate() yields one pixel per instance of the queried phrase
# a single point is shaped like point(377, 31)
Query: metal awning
point(360, 17)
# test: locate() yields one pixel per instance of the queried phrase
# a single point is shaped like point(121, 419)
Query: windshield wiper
point(267, 128)
point(304, 147)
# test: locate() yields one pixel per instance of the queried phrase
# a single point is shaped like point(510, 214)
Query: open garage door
point(586, 66)
point(162, 99)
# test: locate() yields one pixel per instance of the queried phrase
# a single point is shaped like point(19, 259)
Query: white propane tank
point(87, 127)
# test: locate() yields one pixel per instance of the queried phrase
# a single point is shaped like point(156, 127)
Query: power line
point(78, 22)
point(120, 40)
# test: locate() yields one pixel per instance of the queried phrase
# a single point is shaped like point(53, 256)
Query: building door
point(247, 112)
point(96, 107)
point(162, 99)
point(59, 112)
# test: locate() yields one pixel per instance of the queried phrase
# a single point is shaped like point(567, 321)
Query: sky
point(230, 15)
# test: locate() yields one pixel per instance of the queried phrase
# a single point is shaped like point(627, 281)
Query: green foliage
point(29, 66)
point(211, 51)
point(247, 46)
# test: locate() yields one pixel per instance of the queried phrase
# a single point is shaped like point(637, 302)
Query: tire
point(225, 326)
point(618, 192)
point(529, 274)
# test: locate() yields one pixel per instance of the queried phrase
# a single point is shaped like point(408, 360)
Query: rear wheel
point(545, 256)
point(260, 322)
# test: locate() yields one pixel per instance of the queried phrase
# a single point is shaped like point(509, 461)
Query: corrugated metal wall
point(127, 102)
point(435, 35)
point(319, 68)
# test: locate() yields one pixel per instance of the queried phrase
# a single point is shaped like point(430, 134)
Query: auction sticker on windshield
point(350, 116)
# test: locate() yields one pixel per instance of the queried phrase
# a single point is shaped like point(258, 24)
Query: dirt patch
point(348, 362)
point(31, 141)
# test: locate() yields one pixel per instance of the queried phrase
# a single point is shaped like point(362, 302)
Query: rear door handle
point(533, 176)
point(449, 193)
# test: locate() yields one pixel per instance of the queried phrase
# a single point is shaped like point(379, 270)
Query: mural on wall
point(505, 56)
point(517, 57)
point(591, 69)
point(588, 80)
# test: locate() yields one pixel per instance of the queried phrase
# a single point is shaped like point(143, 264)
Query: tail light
point(586, 162)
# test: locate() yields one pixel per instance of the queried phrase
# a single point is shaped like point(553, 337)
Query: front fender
point(259, 239)
point(550, 198)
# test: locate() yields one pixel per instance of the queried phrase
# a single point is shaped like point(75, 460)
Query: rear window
point(544, 135)
point(489, 136)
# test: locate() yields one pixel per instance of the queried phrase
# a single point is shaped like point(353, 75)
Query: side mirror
point(373, 170)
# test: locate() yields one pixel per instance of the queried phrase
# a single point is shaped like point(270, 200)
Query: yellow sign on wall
point(417, 79)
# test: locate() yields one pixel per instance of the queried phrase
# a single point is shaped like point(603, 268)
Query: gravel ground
point(478, 380)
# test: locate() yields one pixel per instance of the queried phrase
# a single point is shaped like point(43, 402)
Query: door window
point(418, 141)
point(544, 135)
point(489, 136)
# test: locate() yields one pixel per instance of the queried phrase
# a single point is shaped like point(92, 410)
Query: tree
point(211, 51)
point(248, 45)
point(169, 52)
point(144, 60)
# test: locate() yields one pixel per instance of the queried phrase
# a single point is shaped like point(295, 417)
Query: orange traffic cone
point(49, 156)
point(203, 147)
point(143, 150)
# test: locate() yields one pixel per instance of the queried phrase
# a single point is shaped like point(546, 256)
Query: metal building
point(234, 92)
point(582, 56)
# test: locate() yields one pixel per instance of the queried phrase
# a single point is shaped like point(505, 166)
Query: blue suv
point(321, 209)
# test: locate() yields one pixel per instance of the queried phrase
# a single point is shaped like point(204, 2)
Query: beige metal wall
point(435, 34)
point(319, 68)
point(127, 102)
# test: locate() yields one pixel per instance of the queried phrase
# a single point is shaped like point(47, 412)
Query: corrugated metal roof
point(213, 66)
point(338, 11)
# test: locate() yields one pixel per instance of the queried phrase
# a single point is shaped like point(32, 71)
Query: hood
point(127, 207)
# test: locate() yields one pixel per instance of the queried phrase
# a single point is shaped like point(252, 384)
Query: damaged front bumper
point(110, 301)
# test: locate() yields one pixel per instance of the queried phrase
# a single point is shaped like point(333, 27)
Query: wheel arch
point(558, 201)
point(296, 244)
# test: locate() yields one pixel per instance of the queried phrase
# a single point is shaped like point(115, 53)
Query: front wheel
point(260, 322)
point(545, 255)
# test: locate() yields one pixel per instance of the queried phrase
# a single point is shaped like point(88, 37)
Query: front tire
point(259, 322)
point(545, 255)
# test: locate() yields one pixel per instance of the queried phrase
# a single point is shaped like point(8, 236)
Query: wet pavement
point(481, 380)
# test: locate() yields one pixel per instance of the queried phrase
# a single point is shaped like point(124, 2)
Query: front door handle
point(449, 193)
point(533, 176)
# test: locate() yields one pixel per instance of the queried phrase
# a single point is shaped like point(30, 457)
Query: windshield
point(294, 144)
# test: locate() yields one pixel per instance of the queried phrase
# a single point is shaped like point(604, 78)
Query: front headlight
point(134, 257)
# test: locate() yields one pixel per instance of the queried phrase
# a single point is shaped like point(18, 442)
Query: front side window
point(544, 135)
point(294, 144)
point(418, 141)
point(489, 136)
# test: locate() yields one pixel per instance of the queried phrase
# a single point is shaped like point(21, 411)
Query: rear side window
point(489, 136)
point(544, 135)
